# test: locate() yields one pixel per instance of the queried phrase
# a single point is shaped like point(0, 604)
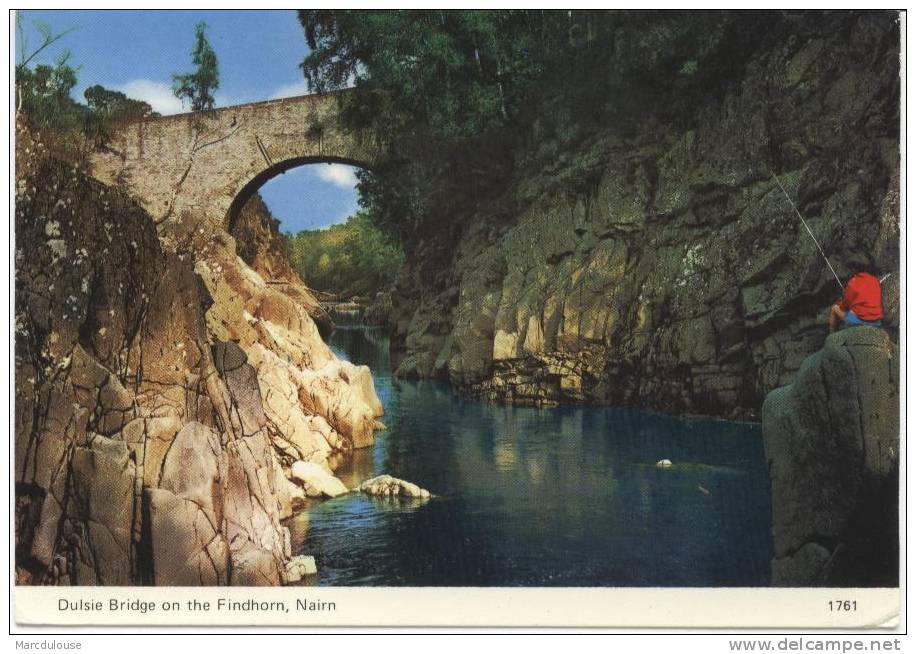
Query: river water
point(524, 496)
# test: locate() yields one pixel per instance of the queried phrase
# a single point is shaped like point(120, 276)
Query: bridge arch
point(260, 179)
point(197, 167)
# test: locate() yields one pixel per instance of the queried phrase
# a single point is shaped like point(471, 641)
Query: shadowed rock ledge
point(832, 445)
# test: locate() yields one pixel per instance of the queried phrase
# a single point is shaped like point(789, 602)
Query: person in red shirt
point(861, 302)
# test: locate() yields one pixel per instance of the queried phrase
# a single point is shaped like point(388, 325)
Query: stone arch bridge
point(204, 166)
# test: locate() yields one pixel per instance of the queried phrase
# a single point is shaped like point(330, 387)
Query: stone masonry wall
point(198, 164)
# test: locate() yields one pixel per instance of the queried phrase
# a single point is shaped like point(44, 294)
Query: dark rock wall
point(258, 240)
point(832, 440)
point(676, 276)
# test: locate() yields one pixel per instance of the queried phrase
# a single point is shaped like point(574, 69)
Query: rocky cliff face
point(832, 441)
point(655, 262)
point(261, 246)
point(164, 389)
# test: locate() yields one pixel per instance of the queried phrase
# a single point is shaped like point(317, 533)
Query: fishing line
point(810, 233)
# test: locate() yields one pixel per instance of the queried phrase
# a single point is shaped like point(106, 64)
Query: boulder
point(298, 567)
point(832, 446)
point(388, 486)
point(317, 480)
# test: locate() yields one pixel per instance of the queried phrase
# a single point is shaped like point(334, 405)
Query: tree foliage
point(354, 258)
point(44, 101)
point(43, 90)
point(453, 72)
point(198, 87)
point(107, 108)
point(44, 94)
point(48, 38)
point(114, 105)
point(469, 102)
point(447, 90)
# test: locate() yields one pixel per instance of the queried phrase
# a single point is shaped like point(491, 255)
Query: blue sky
point(259, 54)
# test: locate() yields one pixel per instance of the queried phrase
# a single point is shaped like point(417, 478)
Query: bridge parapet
point(196, 166)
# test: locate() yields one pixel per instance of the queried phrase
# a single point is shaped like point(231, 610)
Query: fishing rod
point(810, 233)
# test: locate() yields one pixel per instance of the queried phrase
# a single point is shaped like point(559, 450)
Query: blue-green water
point(541, 497)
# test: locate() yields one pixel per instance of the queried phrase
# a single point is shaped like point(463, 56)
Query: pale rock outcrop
point(187, 547)
point(317, 480)
point(163, 390)
point(298, 567)
point(295, 395)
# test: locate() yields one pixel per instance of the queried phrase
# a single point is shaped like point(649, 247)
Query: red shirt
point(863, 296)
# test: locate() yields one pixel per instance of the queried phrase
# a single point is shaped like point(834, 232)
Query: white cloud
point(337, 174)
point(290, 90)
point(221, 100)
point(158, 94)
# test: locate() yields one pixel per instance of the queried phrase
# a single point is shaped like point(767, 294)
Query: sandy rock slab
point(388, 486)
point(316, 480)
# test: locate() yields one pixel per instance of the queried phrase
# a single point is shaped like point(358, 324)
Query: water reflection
point(529, 496)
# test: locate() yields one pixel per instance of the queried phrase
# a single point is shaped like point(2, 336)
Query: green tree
point(107, 108)
point(114, 105)
point(43, 90)
point(25, 55)
point(43, 98)
point(44, 94)
point(455, 73)
point(198, 87)
point(354, 258)
point(446, 90)
point(463, 100)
